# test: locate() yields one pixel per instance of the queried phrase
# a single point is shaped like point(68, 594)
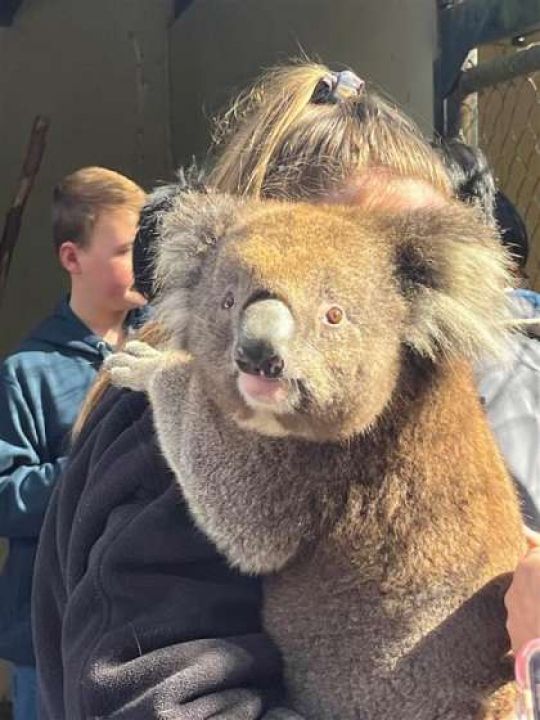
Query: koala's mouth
point(258, 390)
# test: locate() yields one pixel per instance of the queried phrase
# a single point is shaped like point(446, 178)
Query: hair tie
point(335, 87)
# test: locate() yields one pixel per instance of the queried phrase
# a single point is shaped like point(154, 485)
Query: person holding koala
point(136, 613)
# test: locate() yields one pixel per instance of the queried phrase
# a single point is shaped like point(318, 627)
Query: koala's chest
point(353, 653)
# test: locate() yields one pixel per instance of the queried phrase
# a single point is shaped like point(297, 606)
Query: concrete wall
point(217, 47)
point(99, 69)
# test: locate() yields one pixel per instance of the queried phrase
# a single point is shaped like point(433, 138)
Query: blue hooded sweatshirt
point(42, 386)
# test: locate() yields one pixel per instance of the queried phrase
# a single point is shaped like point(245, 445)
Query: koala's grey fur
point(374, 500)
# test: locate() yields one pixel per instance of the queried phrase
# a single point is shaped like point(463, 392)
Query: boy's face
point(106, 262)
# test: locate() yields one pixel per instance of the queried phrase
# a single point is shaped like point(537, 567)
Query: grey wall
point(118, 81)
point(99, 69)
point(217, 46)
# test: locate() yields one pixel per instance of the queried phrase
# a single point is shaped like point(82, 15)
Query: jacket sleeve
point(132, 604)
point(25, 482)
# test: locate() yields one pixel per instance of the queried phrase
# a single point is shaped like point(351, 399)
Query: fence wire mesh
point(503, 118)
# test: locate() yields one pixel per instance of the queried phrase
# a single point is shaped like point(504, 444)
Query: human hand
point(523, 597)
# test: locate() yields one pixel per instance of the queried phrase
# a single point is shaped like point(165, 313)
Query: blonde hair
point(275, 141)
point(80, 197)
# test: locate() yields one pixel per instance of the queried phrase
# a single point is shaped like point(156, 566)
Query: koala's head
point(299, 317)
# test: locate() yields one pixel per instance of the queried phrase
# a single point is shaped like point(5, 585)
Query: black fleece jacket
point(135, 614)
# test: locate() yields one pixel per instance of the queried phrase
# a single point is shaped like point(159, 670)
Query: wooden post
point(12, 224)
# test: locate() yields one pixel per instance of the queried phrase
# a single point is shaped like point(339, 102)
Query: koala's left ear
point(190, 231)
point(453, 271)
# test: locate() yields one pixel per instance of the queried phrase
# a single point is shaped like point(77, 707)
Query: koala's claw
point(133, 366)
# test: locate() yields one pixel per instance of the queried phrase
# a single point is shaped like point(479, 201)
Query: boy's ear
point(68, 255)
point(190, 231)
point(453, 272)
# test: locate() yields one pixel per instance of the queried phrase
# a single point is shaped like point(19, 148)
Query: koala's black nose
point(266, 327)
point(258, 358)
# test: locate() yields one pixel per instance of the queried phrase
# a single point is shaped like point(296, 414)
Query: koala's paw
point(134, 365)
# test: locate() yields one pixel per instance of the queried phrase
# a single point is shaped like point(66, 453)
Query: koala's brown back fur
point(400, 612)
point(386, 548)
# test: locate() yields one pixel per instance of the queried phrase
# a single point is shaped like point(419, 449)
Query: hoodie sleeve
point(25, 482)
point(136, 616)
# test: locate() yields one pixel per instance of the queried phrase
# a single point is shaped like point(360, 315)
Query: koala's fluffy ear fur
point(190, 231)
point(453, 270)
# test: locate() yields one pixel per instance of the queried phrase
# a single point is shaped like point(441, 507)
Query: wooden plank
point(30, 169)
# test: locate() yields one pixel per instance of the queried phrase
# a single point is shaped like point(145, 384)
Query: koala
point(315, 402)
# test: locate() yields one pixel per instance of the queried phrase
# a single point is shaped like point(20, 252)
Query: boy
point(43, 383)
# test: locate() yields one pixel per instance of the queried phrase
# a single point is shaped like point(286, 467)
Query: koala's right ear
point(190, 231)
point(453, 272)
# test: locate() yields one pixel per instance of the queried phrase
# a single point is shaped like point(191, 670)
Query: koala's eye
point(228, 301)
point(334, 315)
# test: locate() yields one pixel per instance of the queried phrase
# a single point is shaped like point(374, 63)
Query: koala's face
point(297, 322)
point(297, 316)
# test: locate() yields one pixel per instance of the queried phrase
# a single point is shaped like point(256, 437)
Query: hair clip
point(335, 87)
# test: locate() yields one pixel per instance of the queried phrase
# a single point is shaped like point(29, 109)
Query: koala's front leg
point(162, 375)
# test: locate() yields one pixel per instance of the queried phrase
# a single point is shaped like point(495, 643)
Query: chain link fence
point(499, 110)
